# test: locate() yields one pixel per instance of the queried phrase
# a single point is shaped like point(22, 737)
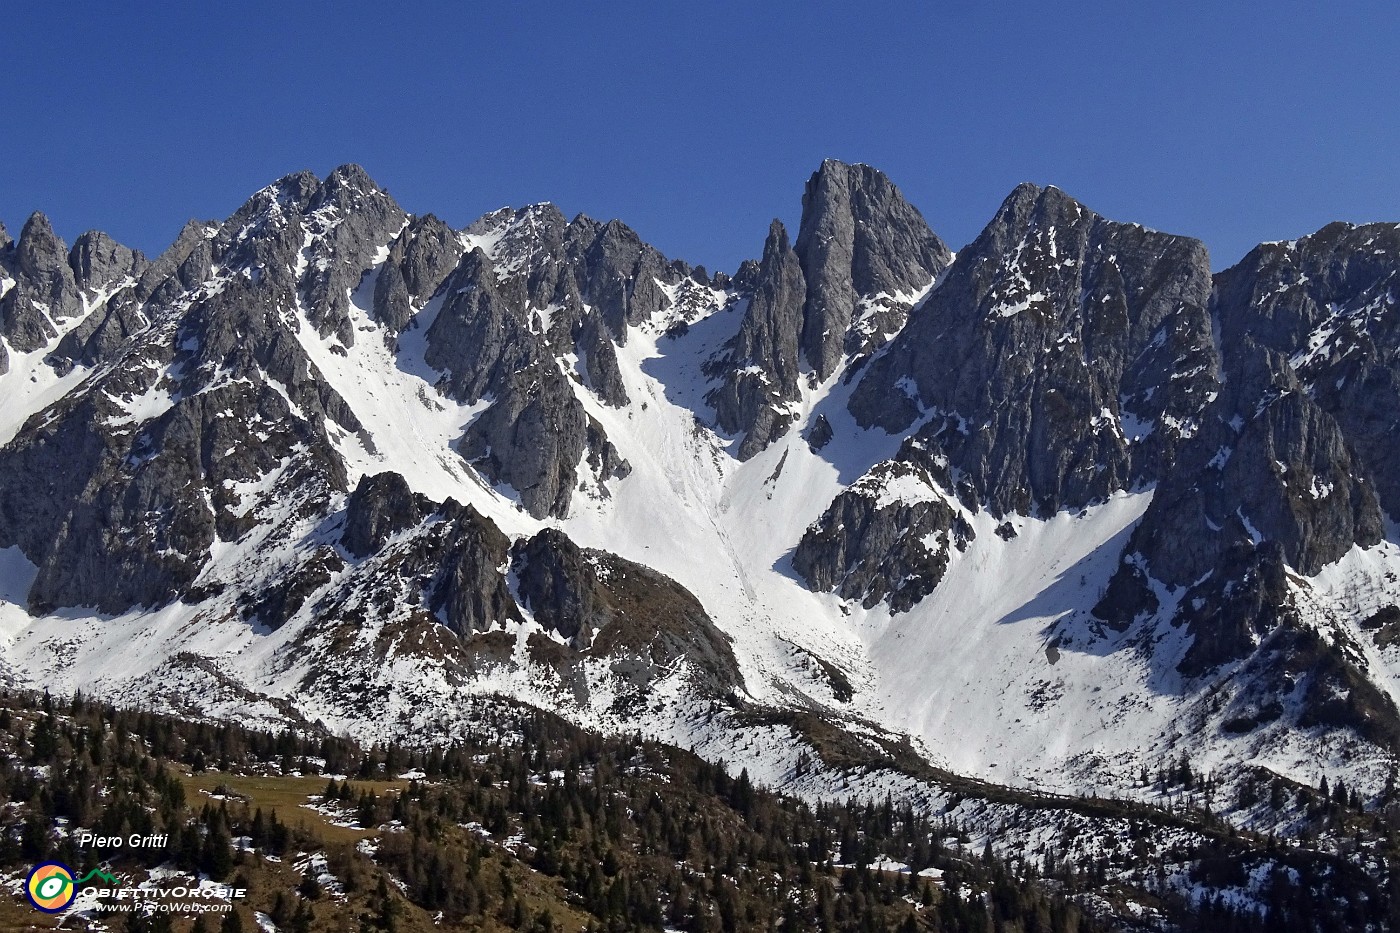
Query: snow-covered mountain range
point(1060, 508)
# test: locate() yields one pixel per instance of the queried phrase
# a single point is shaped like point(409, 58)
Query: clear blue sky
point(698, 122)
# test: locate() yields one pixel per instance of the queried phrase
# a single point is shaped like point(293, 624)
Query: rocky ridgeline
point(1294, 462)
point(137, 467)
point(1066, 357)
point(1060, 359)
point(199, 383)
point(835, 298)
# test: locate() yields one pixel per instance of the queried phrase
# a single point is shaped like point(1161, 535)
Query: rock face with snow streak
point(52, 284)
point(1295, 461)
point(45, 288)
point(861, 245)
point(1063, 358)
point(760, 367)
point(421, 257)
point(141, 465)
point(862, 253)
point(887, 538)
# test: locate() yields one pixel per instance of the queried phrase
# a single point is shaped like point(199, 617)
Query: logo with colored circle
point(50, 887)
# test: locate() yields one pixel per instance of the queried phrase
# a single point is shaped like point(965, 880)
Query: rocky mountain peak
point(859, 238)
point(863, 257)
point(350, 179)
point(1052, 325)
point(42, 259)
point(45, 290)
point(760, 365)
point(99, 261)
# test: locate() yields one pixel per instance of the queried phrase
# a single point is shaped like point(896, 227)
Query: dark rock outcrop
point(1064, 356)
point(479, 338)
point(532, 439)
point(873, 547)
point(470, 593)
point(859, 238)
point(183, 265)
point(419, 259)
point(101, 334)
point(45, 289)
point(759, 367)
point(643, 620)
point(559, 586)
point(1330, 303)
point(98, 261)
point(832, 298)
point(380, 507)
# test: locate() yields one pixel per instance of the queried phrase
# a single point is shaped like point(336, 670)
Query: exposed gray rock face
point(746, 279)
point(1286, 476)
point(53, 285)
point(549, 265)
point(859, 238)
point(1330, 302)
point(380, 507)
point(1056, 343)
point(101, 334)
point(352, 218)
point(534, 435)
point(531, 439)
point(102, 267)
point(599, 362)
point(619, 609)
point(45, 289)
point(622, 276)
point(479, 339)
point(6, 265)
point(759, 366)
point(437, 565)
point(1292, 466)
point(470, 590)
point(559, 586)
point(98, 541)
point(98, 261)
point(831, 298)
point(137, 470)
point(189, 256)
point(873, 548)
point(420, 258)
